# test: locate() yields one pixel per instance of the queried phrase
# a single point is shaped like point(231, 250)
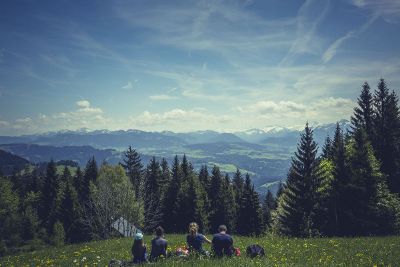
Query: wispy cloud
point(389, 10)
point(129, 85)
point(309, 17)
point(163, 97)
point(332, 49)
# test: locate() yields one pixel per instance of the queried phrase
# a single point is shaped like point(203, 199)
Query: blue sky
point(190, 65)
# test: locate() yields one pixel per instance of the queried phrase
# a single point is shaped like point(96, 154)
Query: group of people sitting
point(222, 244)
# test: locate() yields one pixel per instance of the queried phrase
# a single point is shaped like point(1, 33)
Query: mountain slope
point(10, 162)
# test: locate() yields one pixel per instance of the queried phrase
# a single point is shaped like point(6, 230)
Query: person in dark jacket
point(222, 243)
point(139, 252)
point(158, 245)
point(195, 240)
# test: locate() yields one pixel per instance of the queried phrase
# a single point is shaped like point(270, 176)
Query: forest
point(350, 188)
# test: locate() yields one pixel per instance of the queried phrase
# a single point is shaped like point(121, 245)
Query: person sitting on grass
point(158, 245)
point(195, 240)
point(222, 243)
point(139, 250)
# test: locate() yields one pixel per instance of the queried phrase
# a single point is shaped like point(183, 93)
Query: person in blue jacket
point(195, 240)
point(158, 245)
point(222, 243)
point(139, 251)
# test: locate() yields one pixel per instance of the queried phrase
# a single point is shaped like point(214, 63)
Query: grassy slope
point(368, 251)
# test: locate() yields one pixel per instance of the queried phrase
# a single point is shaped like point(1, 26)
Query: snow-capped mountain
point(290, 135)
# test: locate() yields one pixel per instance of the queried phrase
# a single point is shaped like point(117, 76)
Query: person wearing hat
point(139, 249)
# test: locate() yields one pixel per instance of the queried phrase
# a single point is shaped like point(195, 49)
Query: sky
point(190, 65)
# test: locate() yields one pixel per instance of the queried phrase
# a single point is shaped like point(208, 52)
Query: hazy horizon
point(191, 65)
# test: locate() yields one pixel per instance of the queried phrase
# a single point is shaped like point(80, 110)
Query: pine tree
point(268, 206)
point(338, 203)
point(66, 175)
point(363, 114)
point(69, 213)
point(279, 191)
point(217, 213)
point(327, 149)
point(165, 177)
point(250, 221)
point(78, 183)
point(49, 194)
point(134, 169)
point(365, 176)
point(386, 134)
point(228, 196)
point(170, 202)
point(295, 205)
point(152, 195)
point(90, 175)
point(204, 178)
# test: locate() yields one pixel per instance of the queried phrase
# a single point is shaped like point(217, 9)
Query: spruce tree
point(365, 176)
point(152, 195)
point(229, 204)
point(134, 168)
point(327, 149)
point(363, 114)
point(338, 202)
point(49, 195)
point(217, 213)
point(170, 201)
point(204, 177)
point(165, 176)
point(250, 221)
point(268, 206)
point(386, 134)
point(90, 175)
point(296, 203)
point(69, 213)
point(78, 183)
point(238, 185)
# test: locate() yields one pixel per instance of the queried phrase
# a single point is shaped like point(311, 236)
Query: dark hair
point(138, 248)
point(222, 228)
point(159, 231)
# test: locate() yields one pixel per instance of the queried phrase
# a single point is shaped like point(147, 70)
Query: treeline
point(353, 187)
point(56, 206)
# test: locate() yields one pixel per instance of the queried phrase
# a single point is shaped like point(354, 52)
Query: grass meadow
point(363, 251)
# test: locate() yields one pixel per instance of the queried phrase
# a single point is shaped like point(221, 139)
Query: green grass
point(366, 251)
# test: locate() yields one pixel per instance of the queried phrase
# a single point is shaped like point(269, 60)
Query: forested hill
point(264, 154)
point(10, 162)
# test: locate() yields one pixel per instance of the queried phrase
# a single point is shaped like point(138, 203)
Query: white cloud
point(162, 97)
point(180, 120)
point(83, 103)
point(4, 123)
point(84, 116)
point(129, 85)
point(324, 110)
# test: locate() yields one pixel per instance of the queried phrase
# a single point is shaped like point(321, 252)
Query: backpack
point(255, 250)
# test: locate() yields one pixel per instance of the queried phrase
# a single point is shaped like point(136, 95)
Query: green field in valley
point(365, 251)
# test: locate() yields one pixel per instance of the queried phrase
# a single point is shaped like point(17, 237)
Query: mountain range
point(263, 153)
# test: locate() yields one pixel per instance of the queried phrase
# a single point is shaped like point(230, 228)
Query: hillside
point(10, 162)
point(366, 251)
